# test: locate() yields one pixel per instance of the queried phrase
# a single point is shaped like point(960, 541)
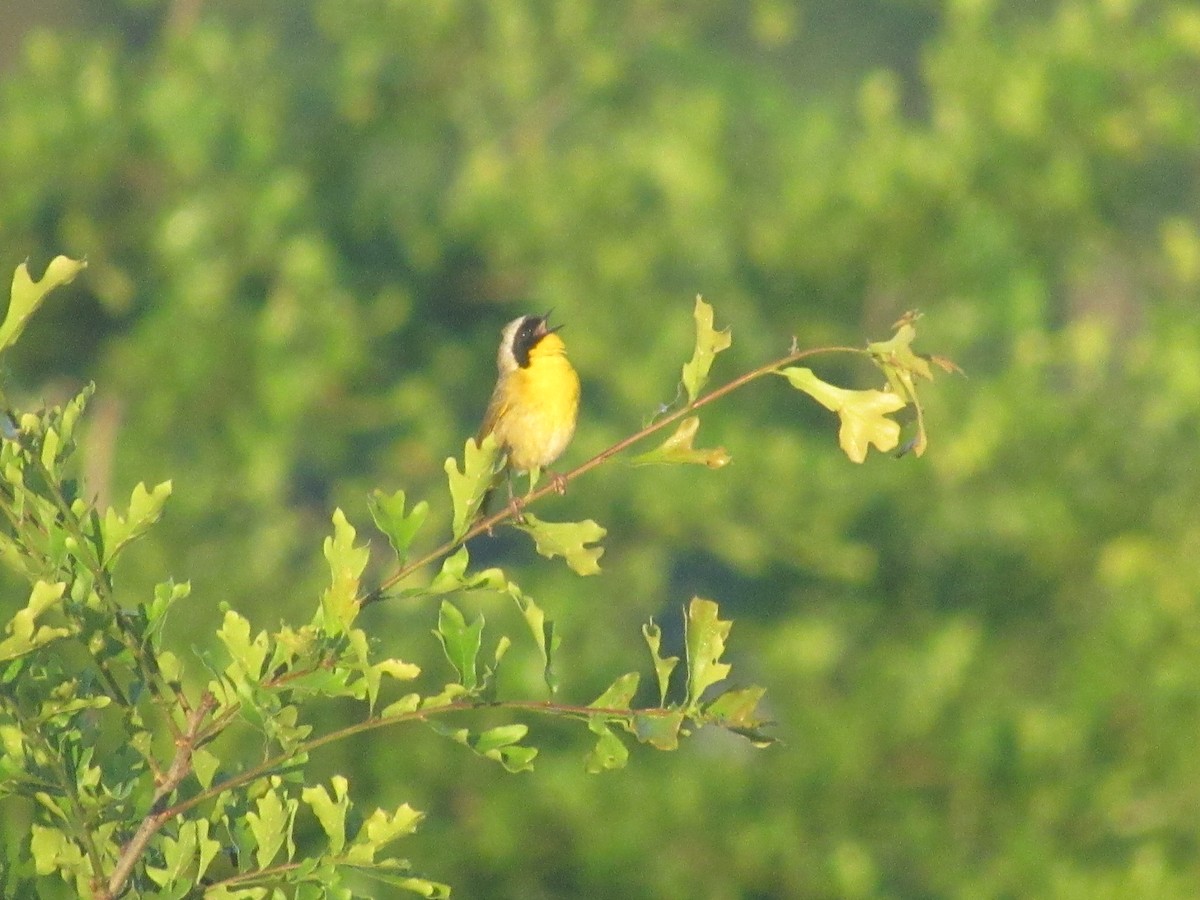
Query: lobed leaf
point(23, 633)
point(185, 859)
point(339, 602)
point(461, 642)
point(145, 508)
point(737, 711)
point(544, 634)
point(400, 529)
point(663, 666)
point(678, 449)
point(657, 730)
point(863, 414)
point(709, 342)
point(27, 295)
point(568, 540)
point(453, 577)
point(705, 636)
point(270, 823)
point(382, 828)
point(469, 486)
point(609, 752)
point(903, 367)
point(330, 812)
point(498, 744)
point(619, 694)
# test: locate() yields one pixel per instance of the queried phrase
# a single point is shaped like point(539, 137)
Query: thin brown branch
point(180, 768)
point(490, 522)
point(544, 707)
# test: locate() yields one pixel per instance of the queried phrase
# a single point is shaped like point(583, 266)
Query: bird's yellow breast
point(534, 408)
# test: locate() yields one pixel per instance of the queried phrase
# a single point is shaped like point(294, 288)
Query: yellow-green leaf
point(568, 540)
point(619, 694)
point(609, 752)
point(544, 634)
point(709, 342)
point(470, 485)
point(678, 449)
point(461, 642)
point(27, 294)
point(863, 414)
point(388, 512)
point(663, 666)
point(705, 639)
point(23, 634)
point(339, 602)
point(330, 812)
point(145, 508)
point(659, 731)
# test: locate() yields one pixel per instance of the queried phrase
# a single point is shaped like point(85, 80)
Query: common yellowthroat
point(536, 399)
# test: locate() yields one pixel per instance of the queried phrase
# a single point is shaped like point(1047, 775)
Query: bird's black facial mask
point(530, 331)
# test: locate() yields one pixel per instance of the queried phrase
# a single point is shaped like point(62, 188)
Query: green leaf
point(339, 602)
point(406, 704)
point(388, 513)
point(863, 413)
point(451, 693)
point(382, 828)
point(514, 759)
point(737, 708)
point(461, 642)
point(709, 342)
point(27, 295)
point(500, 736)
point(207, 847)
point(470, 485)
point(329, 812)
point(899, 362)
point(619, 694)
point(53, 851)
point(453, 577)
point(705, 640)
point(145, 508)
point(165, 596)
point(181, 868)
point(544, 634)
point(395, 668)
point(678, 450)
point(609, 753)
point(204, 766)
point(431, 890)
point(663, 666)
point(497, 744)
point(568, 540)
point(271, 824)
point(659, 731)
point(737, 711)
point(246, 655)
point(903, 367)
point(22, 633)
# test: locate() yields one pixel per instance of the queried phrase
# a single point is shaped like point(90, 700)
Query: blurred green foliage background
point(306, 221)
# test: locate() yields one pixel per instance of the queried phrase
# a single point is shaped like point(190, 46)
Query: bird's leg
point(515, 503)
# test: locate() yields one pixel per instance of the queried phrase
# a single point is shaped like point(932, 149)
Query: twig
point(181, 767)
point(487, 524)
point(545, 707)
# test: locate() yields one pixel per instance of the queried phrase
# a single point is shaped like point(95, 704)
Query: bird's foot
point(558, 481)
point(515, 505)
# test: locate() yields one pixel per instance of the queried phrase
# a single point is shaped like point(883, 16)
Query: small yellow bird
point(536, 399)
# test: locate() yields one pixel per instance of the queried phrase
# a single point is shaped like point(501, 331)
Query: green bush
point(305, 224)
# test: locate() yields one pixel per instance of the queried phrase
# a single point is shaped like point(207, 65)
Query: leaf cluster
point(169, 807)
